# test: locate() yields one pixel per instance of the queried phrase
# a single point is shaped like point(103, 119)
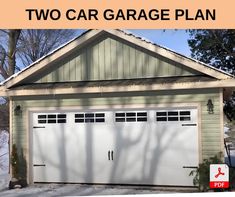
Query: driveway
point(45, 190)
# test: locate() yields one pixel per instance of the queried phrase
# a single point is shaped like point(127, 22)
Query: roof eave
point(230, 83)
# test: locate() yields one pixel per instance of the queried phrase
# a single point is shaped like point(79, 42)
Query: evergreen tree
point(214, 47)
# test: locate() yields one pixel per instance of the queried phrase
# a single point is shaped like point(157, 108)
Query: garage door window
point(131, 116)
point(185, 116)
point(61, 118)
point(51, 118)
point(173, 115)
point(89, 117)
point(163, 116)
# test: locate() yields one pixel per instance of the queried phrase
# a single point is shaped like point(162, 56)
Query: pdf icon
point(219, 176)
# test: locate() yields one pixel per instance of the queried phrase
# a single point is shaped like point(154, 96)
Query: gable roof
point(90, 35)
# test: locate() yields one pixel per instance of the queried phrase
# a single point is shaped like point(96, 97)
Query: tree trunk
point(12, 42)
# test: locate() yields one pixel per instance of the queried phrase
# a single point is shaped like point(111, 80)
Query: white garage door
point(152, 147)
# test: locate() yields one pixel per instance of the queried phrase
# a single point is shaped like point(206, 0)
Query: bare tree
point(8, 48)
point(25, 47)
point(33, 44)
point(28, 45)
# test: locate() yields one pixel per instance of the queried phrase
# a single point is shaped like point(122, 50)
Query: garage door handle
point(108, 155)
point(191, 167)
point(39, 127)
point(189, 124)
point(112, 155)
point(37, 165)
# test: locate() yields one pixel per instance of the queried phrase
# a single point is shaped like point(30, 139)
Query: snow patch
point(226, 129)
point(226, 132)
point(229, 142)
point(4, 181)
point(4, 160)
point(42, 190)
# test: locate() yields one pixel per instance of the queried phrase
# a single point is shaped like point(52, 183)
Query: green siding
point(108, 58)
point(210, 123)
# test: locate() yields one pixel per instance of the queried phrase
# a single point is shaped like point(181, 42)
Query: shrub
point(232, 177)
point(202, 173)
point(15, 162)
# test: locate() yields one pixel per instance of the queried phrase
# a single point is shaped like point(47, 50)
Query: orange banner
point(132, 14)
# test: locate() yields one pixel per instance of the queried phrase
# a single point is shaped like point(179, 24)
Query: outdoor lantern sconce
point(18, 110)
point(210, 107)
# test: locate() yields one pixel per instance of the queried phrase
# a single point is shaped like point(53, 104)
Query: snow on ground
point(226, 131)
point(4, 181)
point(4, 160)
point(48, 190)
point(232, 156)
point(229, 138)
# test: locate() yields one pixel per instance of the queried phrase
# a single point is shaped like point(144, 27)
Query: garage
point(118, 146)
point(109, 107)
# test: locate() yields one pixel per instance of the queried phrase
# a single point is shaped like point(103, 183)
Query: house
point(111, 108)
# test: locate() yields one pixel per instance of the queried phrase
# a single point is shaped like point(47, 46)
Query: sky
point(175, 40)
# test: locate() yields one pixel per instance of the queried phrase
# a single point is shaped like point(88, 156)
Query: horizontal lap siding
point(210, 123)
point(109, 58)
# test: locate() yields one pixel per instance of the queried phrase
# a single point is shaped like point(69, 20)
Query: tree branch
point(3, 72)
point(4, 31)
point(222, 44)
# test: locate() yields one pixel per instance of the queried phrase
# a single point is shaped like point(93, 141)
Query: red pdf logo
point(219, 176)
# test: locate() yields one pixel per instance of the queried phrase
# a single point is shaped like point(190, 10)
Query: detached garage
point(111, 108)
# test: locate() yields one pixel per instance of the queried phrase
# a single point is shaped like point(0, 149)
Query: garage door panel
point(98, 140)
point(75, 152)
point(159, 145)
point(131, 136)
point(146, 146)
point(49, 141)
